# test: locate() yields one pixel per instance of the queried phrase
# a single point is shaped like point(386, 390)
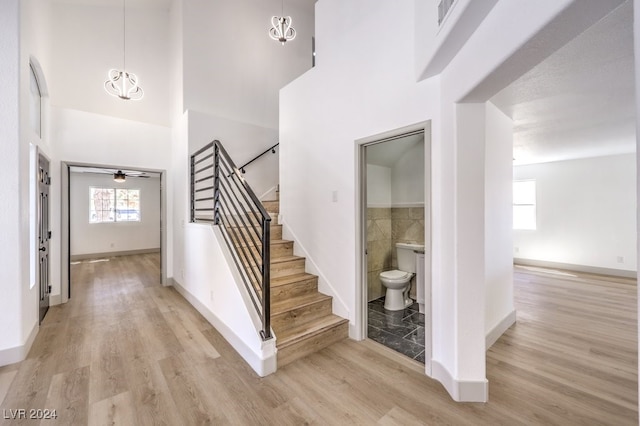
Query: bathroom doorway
point(395, 241)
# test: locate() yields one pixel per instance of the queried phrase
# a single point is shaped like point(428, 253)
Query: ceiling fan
point(119, 175)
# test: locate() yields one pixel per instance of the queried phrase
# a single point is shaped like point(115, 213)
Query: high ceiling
point(580, 102)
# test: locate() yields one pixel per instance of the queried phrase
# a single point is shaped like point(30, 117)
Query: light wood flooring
point(127, 351)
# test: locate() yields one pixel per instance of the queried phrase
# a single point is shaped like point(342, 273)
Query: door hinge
point(49, 289)
point(49, 235)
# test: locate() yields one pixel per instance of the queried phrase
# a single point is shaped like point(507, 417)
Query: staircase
point(301, 317)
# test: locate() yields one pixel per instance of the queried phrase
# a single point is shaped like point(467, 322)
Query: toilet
point(398, 281)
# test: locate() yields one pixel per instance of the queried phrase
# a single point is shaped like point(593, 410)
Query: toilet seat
point(395, 275)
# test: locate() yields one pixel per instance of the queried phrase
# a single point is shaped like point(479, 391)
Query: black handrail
point(272, 149)
point(220, 194)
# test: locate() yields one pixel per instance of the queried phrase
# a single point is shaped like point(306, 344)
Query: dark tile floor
point(402, 331)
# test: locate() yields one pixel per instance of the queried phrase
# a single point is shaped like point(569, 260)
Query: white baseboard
point(270, 194)
point(263, 366)
point(55, 299)
point(19, 353)
point(577, 268)
point(460, 390)
point(76, 257)
point(494, 334)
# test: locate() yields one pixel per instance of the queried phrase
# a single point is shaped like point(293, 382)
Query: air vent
point(443, 9)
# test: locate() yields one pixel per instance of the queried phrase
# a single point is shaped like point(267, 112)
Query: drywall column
point(11, 275)
point(499, 314)
point(469, 214)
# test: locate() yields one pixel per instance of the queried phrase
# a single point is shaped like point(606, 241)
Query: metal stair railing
point(220, 195)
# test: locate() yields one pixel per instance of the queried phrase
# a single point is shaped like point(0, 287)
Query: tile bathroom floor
point(402, 331)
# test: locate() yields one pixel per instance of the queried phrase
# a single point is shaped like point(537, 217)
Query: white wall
point(364, 85)
point(232, 68)
point(499, 312)
point(378, 186)
point(87, 138)
point(13, 270)
point(585, 213)
point(87, 42)
point(243, 141)
point(408, 178)
point(636, 46)
point(88, 238)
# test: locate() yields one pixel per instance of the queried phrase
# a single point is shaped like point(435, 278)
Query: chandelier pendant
point(281, 29)
point(123, 85)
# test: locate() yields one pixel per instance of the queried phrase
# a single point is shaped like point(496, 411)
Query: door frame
point(65, 218)
point(361, 230)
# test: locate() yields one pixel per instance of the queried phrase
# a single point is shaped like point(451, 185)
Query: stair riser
point(313, 344)
point(278, 250)
point(282, 269)
point(292, 267)
point(300, 315)
point(251, 236)
point(271, 206)
point(300, 288)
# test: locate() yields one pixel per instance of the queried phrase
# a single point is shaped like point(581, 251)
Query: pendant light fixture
point(121, 83)
point(281, 29)
point(119, 176)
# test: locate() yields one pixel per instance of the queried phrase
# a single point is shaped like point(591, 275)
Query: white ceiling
point(579, 102)
point(387, 154)
point(159, 4)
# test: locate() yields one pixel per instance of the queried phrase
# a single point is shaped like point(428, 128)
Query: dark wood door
point(44, 233)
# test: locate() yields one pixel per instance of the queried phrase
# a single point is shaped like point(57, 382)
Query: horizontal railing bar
point(204, 189)
point(203, 149)
point(227, 200)
point(207, 167)
point(203, 179)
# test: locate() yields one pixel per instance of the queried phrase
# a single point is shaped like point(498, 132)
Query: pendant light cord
point(124, 35)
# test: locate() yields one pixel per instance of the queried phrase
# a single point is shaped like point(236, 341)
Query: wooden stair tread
point(297, 302)
point(296, 334)
point(290, 279)
point(285, 259)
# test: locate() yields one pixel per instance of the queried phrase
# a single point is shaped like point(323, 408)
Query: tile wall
point(386, 227)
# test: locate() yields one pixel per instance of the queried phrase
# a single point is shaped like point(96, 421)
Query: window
point(524, 204)
point(114, 205)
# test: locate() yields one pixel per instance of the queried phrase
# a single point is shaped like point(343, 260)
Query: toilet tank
point(407, 257)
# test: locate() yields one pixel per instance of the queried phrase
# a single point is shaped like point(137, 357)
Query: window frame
point(531, 204)
point(112, 210)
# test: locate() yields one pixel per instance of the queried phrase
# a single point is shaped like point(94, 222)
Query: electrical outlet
point(620, 259)
point(211, 295)
point(112, 245)
point(516, 249)
point(334, 196)
point(182, 273)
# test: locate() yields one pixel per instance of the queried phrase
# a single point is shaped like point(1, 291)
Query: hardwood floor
point(127, 351)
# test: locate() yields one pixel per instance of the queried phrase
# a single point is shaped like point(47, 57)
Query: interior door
point(44, 233)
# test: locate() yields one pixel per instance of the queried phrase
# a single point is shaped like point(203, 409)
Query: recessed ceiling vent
point(443, 9)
